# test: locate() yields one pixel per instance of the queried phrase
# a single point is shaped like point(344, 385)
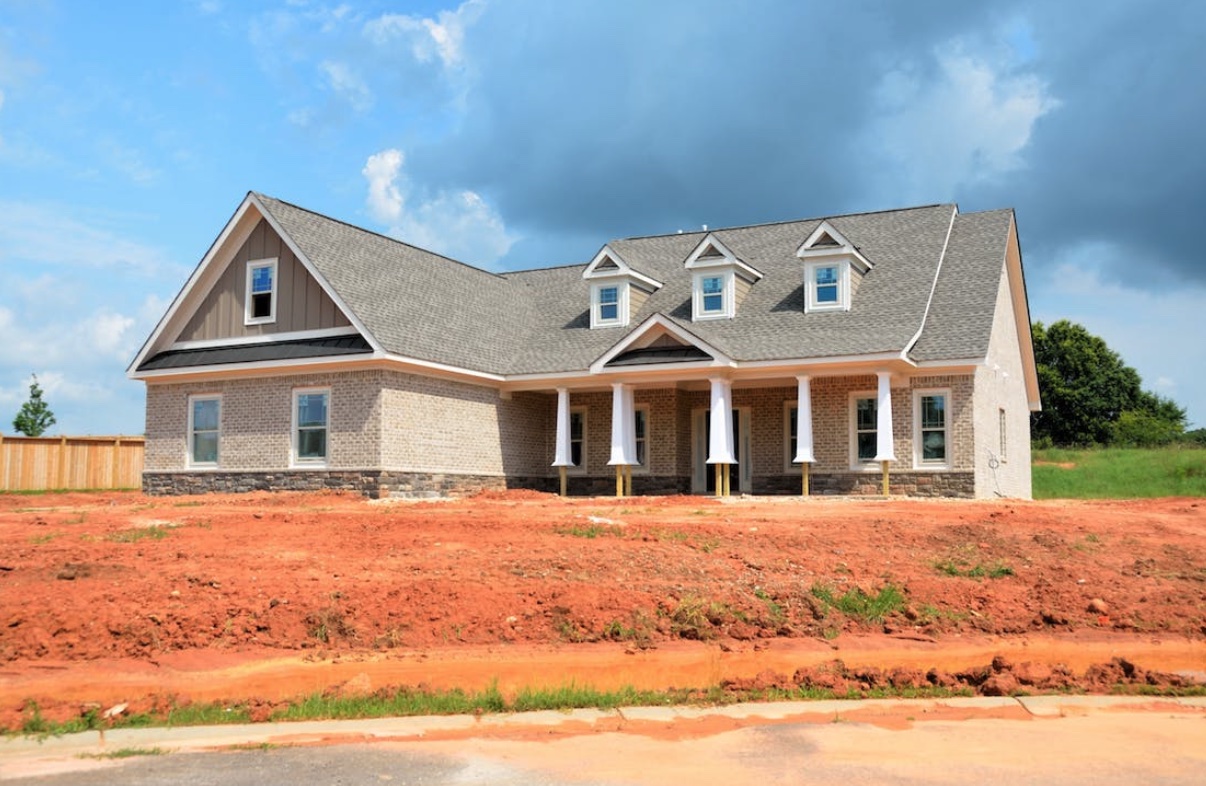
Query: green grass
point(402, 702)
point(124, 753)
point(591, 531)
point(1119, 473)
point(858, 604)
point(953, 567)
point(154, 532)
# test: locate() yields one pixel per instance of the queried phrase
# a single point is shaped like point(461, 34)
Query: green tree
point(35, 416)
point(1091, 397)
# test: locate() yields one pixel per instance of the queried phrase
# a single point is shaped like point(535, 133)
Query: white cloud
point(347, 84)
point(969, 123)
point(456, 223)
point(442, 37)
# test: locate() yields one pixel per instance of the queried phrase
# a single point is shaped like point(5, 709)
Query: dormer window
point(616, 291)
point(261, 292)
point(609, 304)
point(720, 280)
point(833, 267)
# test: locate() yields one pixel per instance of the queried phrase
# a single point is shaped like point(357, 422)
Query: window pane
point(712, 285)
point(640, 423)
point(261, 305)
point(933, 446)
point(609, 311)
point(640, 456)
point(261, 279)
point(713, 303)
point(866, 446)
point(609, 295)
point(826, 275)
point(312, 443)
point(576, 423)
point(933, 411)
point(827, 294)
point(576, 453)
point(205, 415)
point(312, 409)
point(205, 448)
point(793, 422)
point(867, 415)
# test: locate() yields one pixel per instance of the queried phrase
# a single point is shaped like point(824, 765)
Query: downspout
point(904, 353)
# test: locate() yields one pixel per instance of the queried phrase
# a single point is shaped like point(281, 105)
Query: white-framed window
point(864, 430)
point(261, 292)
point(791, 411)
point(311, 425)
point(931, 429)
point(578, 439)
point(641, 417)
point(1004, 454)
point(609, 304)
point(827, 285)
point(712, 295)
point(204, 429)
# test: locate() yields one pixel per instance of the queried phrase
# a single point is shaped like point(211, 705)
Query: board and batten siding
point(301, 304)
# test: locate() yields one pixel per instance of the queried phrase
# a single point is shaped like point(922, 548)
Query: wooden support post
point(727, 474)
point(63, 462)
point(628, 480)
point(564, 480)
point(804, 478)
point(885, 466)
point(116, 476)
point(719, 484)
point(619, 480)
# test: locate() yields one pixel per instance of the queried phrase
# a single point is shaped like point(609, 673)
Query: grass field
point(1119, 473)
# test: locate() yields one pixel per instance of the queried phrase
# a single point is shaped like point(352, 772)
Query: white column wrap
point(720, 442)
point(562, 456)
point(803, 421)
point(619, 443)
point(630, 424)
point(884, 444)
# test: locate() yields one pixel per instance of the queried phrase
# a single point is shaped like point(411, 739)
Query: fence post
point(116, 463)
point(63, 462)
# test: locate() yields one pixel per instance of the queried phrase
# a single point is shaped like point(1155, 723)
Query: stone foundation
point(908, 484)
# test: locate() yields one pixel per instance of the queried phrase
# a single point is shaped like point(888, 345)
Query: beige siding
point(741, 288)
point(1000, 385)
point(636, 299)
point(301, 304)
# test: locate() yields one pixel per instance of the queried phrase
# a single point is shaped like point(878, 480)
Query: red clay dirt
point(119, 597)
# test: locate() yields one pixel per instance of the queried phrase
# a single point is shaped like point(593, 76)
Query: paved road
point(1120, 745)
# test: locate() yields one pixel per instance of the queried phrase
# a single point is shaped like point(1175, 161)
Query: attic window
point(827, 285)
point(712, 297)
point(609, 304)
point(261, 292)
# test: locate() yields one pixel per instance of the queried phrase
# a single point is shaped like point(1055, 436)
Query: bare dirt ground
point(124, 598)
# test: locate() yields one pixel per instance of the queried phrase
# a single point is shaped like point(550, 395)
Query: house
point(852, 354)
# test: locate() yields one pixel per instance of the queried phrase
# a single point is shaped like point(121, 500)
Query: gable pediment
point(826, 241)
point(659, 340)
point(713, 253)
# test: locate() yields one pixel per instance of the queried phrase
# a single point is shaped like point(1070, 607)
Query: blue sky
point(523, 134)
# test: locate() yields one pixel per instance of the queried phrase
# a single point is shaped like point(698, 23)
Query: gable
point(301, 302)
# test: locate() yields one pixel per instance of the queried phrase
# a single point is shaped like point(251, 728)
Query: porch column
point(804, 429)
point(620, 425)
point(720, 441)
point(562, 457)
point(884, 443)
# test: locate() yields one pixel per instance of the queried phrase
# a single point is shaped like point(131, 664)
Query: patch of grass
point(394, 703)
point(1119, 473)
point(45, 537)
point(696, 618)
point(773, 609)
point(124, 753)
point(573, 696)
point(952, 567)
point(857, 604)
point(329, 622)
point(639, 630)
point(591, 531)
point(154, 532)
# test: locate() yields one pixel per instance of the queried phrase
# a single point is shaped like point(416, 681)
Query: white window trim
point(728, 293)
point(810, 285)
point(575, 469)
point(789, 466)
point(918, 394)
point(1003, 437)
point(294, 459)
point(860, 466)
point(622, 307)
point(643, 469)
point(253, 265)
point(191, 433)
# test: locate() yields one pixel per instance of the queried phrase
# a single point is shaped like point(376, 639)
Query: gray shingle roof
point(422, 305)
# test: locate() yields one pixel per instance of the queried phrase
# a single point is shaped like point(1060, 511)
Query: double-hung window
point(931, 426)
point(311, 422)
point(827, 286)
point(641, 416)
point(578, 439)
point(866, 429)
point(204, 426)
point(261, 292)
point(791, 434)
point(712, 294)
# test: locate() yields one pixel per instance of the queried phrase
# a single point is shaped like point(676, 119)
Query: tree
point(1090, 397)
point(35, 416)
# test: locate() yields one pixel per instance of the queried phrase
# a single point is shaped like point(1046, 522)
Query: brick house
point(836, 355)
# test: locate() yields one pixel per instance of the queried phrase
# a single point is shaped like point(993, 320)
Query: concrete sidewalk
point(23, 756)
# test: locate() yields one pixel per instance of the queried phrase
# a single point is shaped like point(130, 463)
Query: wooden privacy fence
point(43, 463)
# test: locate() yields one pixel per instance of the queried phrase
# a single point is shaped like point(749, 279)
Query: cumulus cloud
point(968, 122)
point(442, 37)
point(457, 223)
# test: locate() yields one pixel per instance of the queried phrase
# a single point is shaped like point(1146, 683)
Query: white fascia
point(844, 248)
point(657, 320)
point(621, 268)
point(266, 338)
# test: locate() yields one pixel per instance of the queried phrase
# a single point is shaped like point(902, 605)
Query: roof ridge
point(711, 230)
point(352, 226)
